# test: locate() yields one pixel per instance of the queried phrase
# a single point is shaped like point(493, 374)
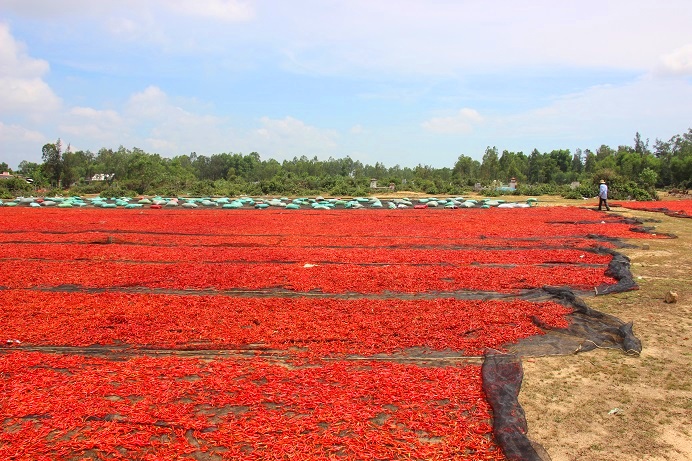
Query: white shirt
point(603, 191)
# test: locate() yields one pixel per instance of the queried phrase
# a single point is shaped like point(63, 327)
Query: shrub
point(630, 190)
point(89, 188)
point(14, 187)
point(116, 190)
point(572, 194)
point(202, 188)
point(541, 189)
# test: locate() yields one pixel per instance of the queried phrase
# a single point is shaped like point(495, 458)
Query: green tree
point(144, 171)
point(27, 168)
point(52, 162)
point(629, 164)
point(76, 166)
point(604, 152)
point(490, 165)
point(466, 168)
point(640, 146)
point(577, 165)
point(513, 165)
point(562, 158)
point(549, 170)
point(112, 164)
point(648, 178)
point(534, 167)
point(681, 159)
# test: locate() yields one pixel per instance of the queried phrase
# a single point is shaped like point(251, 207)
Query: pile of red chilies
point(674, 207)
point(143, 280)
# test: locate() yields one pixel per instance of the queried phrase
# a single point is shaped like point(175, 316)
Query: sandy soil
point(604, 405)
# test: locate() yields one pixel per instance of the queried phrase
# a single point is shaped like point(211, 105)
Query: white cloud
point(153, 120)
point(43, 9)
point(462, 122)
point(26, 97)
point(14, 61)
point(152, 102)
point(140, 30)
point(173, 26)
point(604, 114)
point(23, 93)
point(10, 134)
point(420, 37)
point(16, 141)
point(443, 38)
point(168, 128)
point(679, 61)
point(155, 108)
point(382, 59)
point(290, 137)
point(357, 129)
point(150, 120)
point(223, 10)
point(414, 37)
point(88, 124)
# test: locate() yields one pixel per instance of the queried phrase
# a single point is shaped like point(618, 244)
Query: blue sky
point(403, 82)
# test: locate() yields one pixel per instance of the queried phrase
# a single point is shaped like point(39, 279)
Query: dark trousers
point(602, 202)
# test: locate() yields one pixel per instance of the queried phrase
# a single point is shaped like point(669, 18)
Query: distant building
point(7, 175)
point(498, 186)
point(102, 177)
point(373, 185)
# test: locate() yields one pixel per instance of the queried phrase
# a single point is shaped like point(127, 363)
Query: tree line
point(632, 171)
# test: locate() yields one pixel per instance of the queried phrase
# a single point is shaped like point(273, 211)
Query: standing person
point(603, 195)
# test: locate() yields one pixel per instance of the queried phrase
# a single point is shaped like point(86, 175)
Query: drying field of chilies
point(217, 333)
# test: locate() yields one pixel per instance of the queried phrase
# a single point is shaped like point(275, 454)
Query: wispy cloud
point(221, 10)
point(603, 114)
point(679, 61)
point(88, 125)
point(170, 128)
point(23, 92)
point(289, 137)
point(15, 138)
point(462, 122)
point(218, 10)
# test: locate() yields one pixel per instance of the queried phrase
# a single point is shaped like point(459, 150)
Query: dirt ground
point(604, 405)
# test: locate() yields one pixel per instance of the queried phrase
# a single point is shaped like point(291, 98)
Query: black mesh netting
point(503, 373)
point(502, 377)
point(619, 269)
point(588, 329)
